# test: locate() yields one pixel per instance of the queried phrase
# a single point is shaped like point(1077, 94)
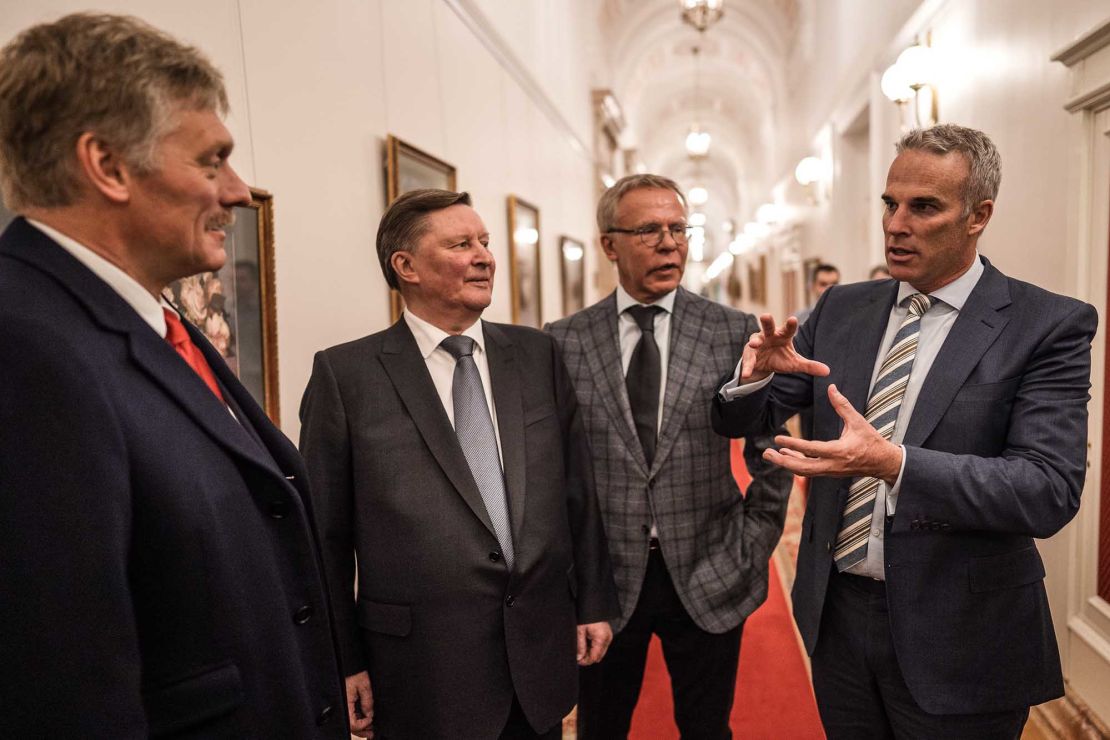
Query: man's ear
point(403, 266)
point(979, 216)
point(103, 168)
point(608, 248)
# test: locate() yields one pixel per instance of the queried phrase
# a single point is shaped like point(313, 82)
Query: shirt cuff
point(733, 389)
point(892, 495)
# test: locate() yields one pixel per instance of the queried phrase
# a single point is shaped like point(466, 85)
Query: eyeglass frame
point(681, 237)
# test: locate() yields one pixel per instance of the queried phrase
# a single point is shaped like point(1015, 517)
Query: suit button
point(828, 547)
point(509, 601)
point(303, 614)
point(946, 525)
point(495, 557)
point(324, 716)
point(279, 508)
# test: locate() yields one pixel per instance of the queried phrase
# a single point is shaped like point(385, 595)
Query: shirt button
point(510, 601)
point(324, 716)
point(878, 533)
point(495, 557)
point(303, 614)
point(279, 508)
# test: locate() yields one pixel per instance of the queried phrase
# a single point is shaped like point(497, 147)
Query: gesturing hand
point(771, 350)
point(860, 450)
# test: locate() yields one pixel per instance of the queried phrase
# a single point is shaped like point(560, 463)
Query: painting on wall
point(757, 280)
point(408, 168)
point(524, 261)
point(573, 260)
point(236, 307)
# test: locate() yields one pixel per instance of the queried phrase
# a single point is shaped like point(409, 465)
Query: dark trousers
point(860, 690)
point(702, 666)
point(517, 728)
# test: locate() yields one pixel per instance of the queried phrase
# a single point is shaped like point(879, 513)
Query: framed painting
point(408, 168)
point(524, 261)
point(572, 257)
point(757, 280)
point(236, 307)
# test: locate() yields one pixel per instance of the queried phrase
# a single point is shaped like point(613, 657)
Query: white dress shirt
point(441, 364)
point(935, 325)
point(146, 305)
point(629, 332)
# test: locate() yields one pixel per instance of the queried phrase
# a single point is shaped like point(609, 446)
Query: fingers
point(360, 704)
point(767, 324)
point(814, 368)
point(842, 406)
point(600, 644)
point(581, 654)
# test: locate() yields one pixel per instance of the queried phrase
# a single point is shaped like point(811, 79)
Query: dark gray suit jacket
point(716, 542)
point(159, 574)
point(995, 457)
point(447, 632)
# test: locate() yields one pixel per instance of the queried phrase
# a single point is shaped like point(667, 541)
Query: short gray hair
point(611, 198)
point(406, 220)
point(112, 75)
point(984, 162)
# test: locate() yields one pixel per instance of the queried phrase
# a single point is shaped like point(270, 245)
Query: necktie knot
point(644, 316)
point(176, 334)
point(459, 346)
point(920, 303)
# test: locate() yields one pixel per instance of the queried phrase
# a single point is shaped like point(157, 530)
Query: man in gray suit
point(690, 552)
point(950, 411)
point(448, 456)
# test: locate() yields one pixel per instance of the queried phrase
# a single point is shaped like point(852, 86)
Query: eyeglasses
point(652, 234)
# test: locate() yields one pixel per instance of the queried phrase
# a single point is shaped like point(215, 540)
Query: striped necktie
point(474, 428)
point(882, 413)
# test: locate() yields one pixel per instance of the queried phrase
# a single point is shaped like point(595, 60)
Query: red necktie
point(178, 338)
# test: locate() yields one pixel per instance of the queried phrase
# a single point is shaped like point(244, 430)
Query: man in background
point(824, 277)
point(951, 426)
point(449, 463)
point(158, 567)
point(690, 551)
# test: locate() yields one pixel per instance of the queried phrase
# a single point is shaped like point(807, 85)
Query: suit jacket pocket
point(531, 416)
point(205, 694)
point(1001, 390)
point(388, 619)
point(1009, 570)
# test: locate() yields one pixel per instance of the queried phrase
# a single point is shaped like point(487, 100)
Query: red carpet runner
point(774, 698)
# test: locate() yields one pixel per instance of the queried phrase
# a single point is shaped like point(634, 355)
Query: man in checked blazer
point(932, 621)
point(690, 552)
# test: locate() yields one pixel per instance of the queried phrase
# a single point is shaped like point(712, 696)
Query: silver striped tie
point(882, 413)
point(474, 428)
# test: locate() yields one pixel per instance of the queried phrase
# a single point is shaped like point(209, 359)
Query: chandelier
point(701, 14)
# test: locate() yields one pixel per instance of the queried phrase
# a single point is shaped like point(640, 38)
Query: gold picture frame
point(572, 260)
point(524, 262)
point(236, 306)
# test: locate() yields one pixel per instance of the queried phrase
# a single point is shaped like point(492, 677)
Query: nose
point(234, 191)
point(895, 221)
point(483, 255)
point(668, 243)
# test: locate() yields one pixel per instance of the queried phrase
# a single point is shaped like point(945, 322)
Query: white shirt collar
point(625, 301)
point(955, 293)
point(429, 336)
point(147, 306)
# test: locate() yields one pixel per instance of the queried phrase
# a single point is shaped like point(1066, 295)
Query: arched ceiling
point(739, 98)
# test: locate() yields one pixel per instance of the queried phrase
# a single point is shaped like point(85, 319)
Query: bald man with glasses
point(689, 550)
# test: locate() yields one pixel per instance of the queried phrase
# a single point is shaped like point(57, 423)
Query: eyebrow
point(456, 238)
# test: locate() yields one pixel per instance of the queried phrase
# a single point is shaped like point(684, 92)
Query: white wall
point(316, 86)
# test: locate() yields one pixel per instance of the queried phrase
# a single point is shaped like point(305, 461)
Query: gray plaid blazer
point(716, 543)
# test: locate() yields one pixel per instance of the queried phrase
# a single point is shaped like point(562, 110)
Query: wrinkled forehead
point(455, 223)
point(651, 204)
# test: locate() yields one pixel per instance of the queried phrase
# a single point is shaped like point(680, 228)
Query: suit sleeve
point(1032, 487)
point(597, 591)
point(70, 650)
point(326, 447)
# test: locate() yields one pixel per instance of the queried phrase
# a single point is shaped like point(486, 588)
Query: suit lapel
point(601, 345)
point(685, 355)
point(409, 374)
point(505, 379)
point(865, 336)
point(974, 331)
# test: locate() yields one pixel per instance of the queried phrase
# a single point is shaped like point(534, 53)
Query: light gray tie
point(474, 428)
point(882, 413)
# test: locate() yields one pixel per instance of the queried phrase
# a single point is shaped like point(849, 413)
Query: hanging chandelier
point(701, 14)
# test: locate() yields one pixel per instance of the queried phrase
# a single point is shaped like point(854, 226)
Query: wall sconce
point(911, 78)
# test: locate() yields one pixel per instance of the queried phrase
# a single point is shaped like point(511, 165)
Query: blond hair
point(111, 75)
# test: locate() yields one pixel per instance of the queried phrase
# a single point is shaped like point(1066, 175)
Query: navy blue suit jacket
point(995, 457)
point(158, 570)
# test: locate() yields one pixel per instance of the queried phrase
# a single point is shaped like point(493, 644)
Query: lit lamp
point(697, 141)
point(697, 196)
point(911, 77)
point(701, 14)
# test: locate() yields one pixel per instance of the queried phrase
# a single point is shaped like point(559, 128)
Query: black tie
point(643, 378)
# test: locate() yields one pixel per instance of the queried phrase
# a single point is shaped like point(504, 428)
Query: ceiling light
point(809, 171)
point(697, 219)
point(701, 14)
point(697, 142)
point(697, 195)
